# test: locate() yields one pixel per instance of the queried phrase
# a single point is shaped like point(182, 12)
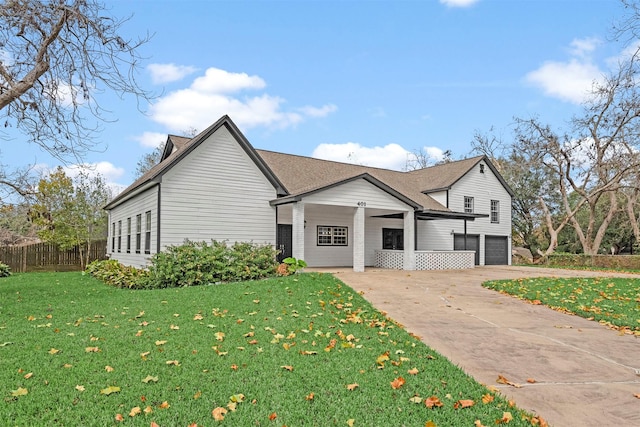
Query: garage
point(473, 244)
point(496, 250)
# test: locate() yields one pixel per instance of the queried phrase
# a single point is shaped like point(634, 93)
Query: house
point(217, 186)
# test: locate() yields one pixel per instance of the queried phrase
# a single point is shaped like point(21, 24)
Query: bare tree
point(596, 159)
point(56, 56)
point(420, 159)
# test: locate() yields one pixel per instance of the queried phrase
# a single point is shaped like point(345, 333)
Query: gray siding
point(483, 187)
point(351, 193)
point(138, 205)
point(217, 192)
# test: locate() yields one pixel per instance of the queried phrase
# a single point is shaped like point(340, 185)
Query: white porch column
point(358, 239)
point(297, 251)
point(409, 258)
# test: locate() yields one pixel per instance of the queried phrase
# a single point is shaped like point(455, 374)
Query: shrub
point(293, 264)
point(200, 263)
point(115, 274)
point(5, 271)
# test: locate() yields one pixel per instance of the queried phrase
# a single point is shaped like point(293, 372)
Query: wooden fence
point(48, 257)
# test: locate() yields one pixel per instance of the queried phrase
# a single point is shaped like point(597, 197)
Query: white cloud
point(167, 73)
point(151, 139)
point(391, 156)
point(570, 80)
point(323, 111)
point(459, 3)
point(219, 81)
point(107, 170)
point(214, 94)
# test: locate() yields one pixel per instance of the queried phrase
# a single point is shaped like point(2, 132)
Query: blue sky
point(362, 81)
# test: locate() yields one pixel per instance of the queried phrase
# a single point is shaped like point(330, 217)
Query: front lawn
point(612, 301)
point(294, 351)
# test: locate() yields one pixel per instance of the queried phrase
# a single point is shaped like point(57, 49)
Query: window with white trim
point(468, 204)
point(138, 232)
point(332, 236)
point(113, 237)
point(495, 211)
point(129, 235)
point(147, 232)
point(119, 236)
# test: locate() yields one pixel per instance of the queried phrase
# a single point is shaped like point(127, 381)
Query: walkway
point(585, 374)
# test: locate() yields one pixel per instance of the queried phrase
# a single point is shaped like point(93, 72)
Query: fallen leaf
point(352, 387)
point(108, 368)
point(173, 362)
point(309, 396)
point(531, 380)
point(29, 375)
point(487, 398)
point(234, 367)
point(80, 388)
point(288, 368)
point(198, 317)
point(109, 390)
point(174, 327)
point(503, 380)
point(164, 405)
point(637, 395)
point(149, 378)
point(413, 371)
point(478, 423)
point(54, 351)
point(506, 418)
point(273, 415)
point(119, 417)
point(463, 403)
point(237, 398)
point(219, 336)
point(432, 402)
point(397, 383)
point(135, 411)
point(219, 413)
point(415, 399)
point(197, 395)
point(159, 342)
point(154, 424)
point(430, 424)
point(91, 349)
point(148, 410)
point(19, 392)
point(351, 422)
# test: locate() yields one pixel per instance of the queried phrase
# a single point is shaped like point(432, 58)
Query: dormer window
point(481, 168)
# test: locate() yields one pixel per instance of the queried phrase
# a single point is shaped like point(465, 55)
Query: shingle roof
point(294, 175)
point(301, 175)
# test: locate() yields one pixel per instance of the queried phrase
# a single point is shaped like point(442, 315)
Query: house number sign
point(362, 204)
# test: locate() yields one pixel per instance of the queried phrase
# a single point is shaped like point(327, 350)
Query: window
point(468, 204)
point(393, 238)
point(138, 232)
point(113, 237)
point(495, 211)
point(332, 236)
point(147, 232)
point(129, 235)
point(119, 236)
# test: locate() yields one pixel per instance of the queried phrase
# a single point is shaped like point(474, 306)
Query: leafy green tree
point(68, 212)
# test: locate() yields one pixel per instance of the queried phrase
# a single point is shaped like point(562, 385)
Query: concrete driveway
point(585, 374)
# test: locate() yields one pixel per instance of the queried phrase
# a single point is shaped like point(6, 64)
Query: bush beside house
point(192, 264)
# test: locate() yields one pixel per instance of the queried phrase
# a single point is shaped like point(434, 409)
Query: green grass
point(612, 301)
point(327, 335)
